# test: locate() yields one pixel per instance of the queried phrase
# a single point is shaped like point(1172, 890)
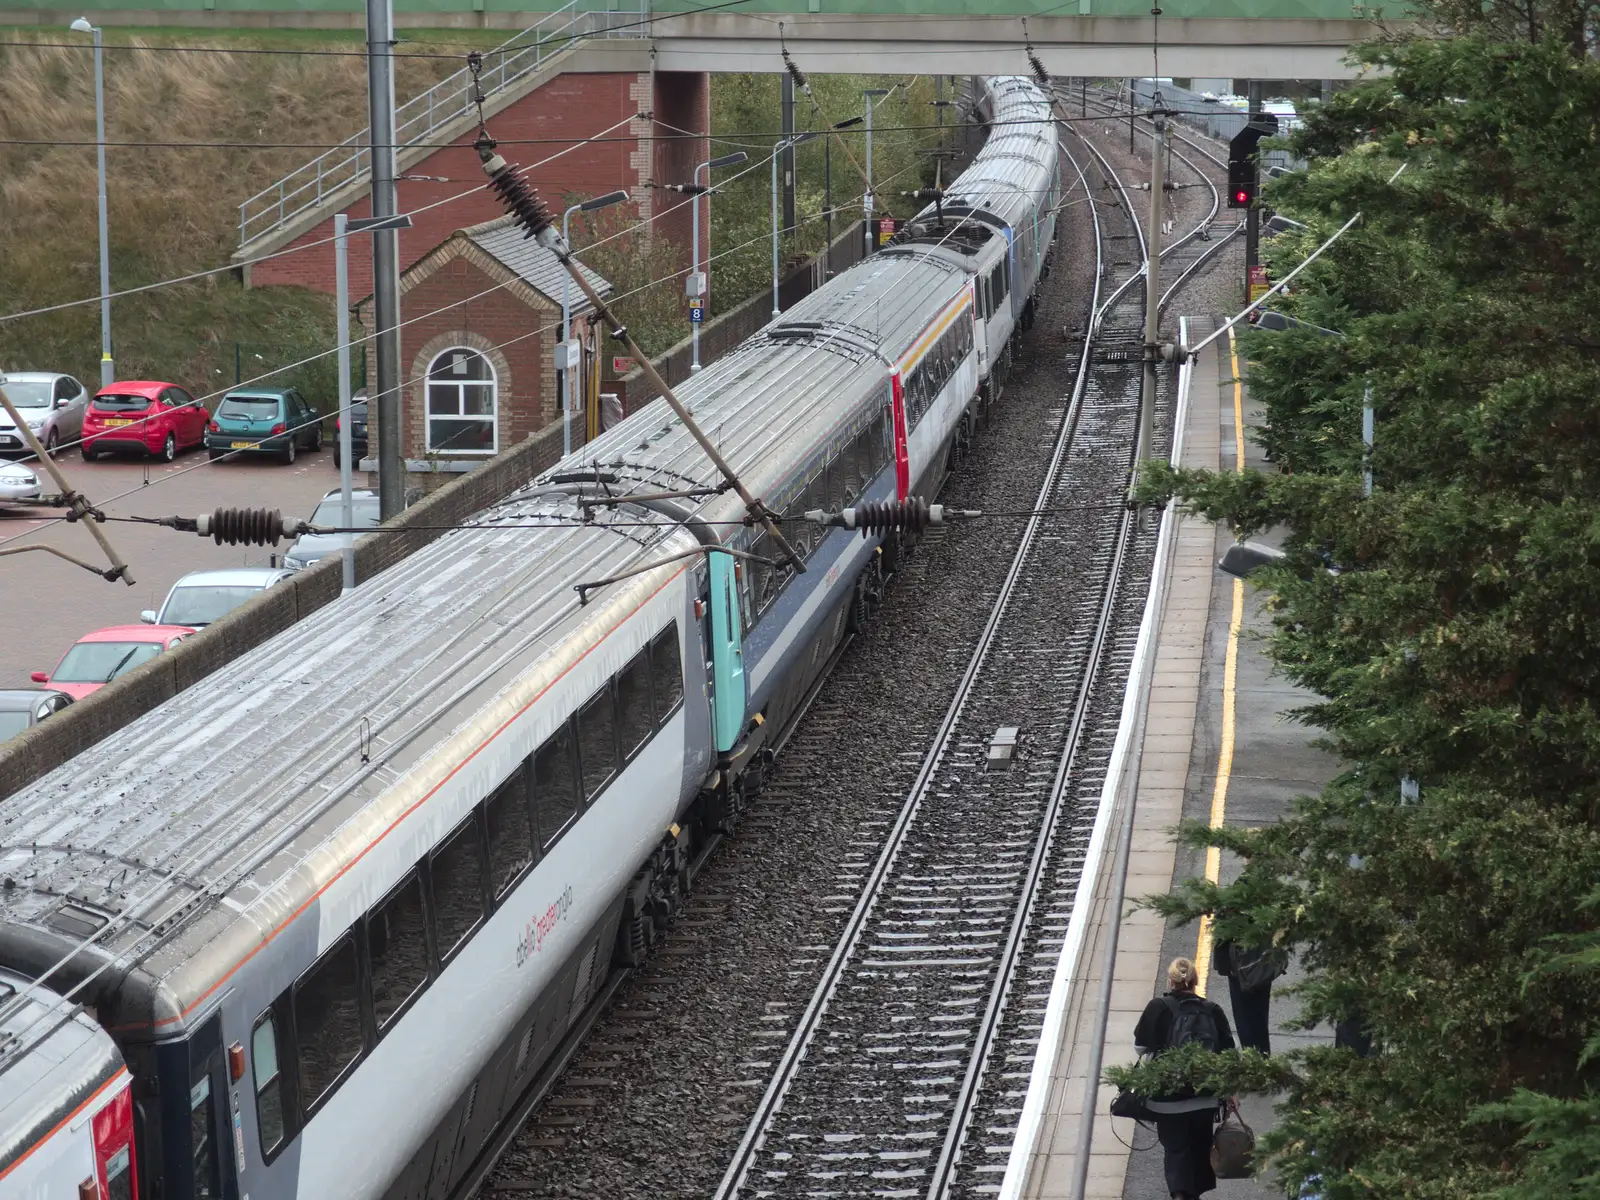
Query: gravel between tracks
point(655, 1102)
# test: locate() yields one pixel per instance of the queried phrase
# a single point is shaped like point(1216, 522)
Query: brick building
point(478, 370)
point(630, 152)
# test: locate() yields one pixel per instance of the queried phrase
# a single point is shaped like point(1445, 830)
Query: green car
point(263, 421)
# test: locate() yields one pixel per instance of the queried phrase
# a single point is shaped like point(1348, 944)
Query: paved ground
point(48, 603)
point(1271, 762)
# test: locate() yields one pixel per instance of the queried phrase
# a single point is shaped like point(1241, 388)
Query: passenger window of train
point(839, 478)
point(636, 718)
point(397, 949)
point(268, 1083)
point(457, 887)
point(510, 832)
point(597, 742)
point(555, 786)
point(327, 1022)
point(763, 577)
point(861, 453)
point(667, 669)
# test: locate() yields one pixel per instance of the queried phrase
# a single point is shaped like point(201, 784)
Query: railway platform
point(1216, 746)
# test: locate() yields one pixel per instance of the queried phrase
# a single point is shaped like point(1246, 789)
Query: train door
point(113, 1147)
point(727, 652)
point(197, 1130)
point(902, 451)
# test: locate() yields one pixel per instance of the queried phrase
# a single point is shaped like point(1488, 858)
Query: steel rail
point(1006, 957)
point(945, 1167)
point(794, 1051)
point(977, 1064)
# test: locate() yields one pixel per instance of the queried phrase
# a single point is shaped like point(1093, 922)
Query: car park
point(358, 430)
point(18, 482)
point(23, 708)
point(202, 597)
point(275, 421)
point(159, 419)
point(310, 547)
point(97, 658)
point(51, 404)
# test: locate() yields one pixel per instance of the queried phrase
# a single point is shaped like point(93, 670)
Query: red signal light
point(1241, 197)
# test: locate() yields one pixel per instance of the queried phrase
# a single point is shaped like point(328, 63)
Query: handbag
point(1130, 1105)
point(1255, 969)
point(1233, 1146)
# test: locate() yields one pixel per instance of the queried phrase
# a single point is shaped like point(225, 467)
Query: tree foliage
point(1446, 623)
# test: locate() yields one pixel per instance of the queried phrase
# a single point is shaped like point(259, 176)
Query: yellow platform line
point(1230, 688)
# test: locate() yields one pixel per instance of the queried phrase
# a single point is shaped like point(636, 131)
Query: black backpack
point(1192, 1021)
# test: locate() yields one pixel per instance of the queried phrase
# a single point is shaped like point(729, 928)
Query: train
point(66, 1100)
point(337, 904)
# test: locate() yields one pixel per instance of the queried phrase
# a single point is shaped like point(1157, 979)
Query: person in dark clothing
point(1250, 1006)
point(1184, 1123)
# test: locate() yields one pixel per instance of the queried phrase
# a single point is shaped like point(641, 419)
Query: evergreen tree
point(1454, 640)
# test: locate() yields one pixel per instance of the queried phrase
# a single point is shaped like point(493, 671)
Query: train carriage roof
point(226, 789)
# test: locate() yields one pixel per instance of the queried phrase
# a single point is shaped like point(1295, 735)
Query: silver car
point(310, 547)
point(17, 482)
point(202, 597)
point(52, 404)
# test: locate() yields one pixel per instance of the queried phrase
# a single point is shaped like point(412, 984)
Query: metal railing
point(422, 116)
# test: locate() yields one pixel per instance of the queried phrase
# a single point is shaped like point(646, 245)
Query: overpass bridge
point(657, 47)
point(1276, 39)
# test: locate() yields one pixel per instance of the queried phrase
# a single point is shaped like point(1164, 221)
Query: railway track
point(904, 1073)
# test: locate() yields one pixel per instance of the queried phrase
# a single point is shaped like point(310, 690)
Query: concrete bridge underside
point(1262, 39)
point(1077, 45)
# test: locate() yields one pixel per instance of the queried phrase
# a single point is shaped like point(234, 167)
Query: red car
point(99, 657)
point(157, 418)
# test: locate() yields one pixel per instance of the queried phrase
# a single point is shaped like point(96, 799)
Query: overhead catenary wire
point(150, 897)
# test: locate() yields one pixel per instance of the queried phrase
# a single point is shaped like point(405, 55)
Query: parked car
point(202, 597)
point(309, 547)
point(23, 708)
point(52, 404)
point(158, 418)
point(17, 482)
point(97, 658)
point(263, 421)
point(358, 430)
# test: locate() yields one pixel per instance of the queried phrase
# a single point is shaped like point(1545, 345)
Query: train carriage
point(338, 904)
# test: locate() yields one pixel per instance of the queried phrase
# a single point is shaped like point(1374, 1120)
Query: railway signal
point(1244, 171)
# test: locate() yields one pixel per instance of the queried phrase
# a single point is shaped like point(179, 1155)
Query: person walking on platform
point(1250, 973)
point(1184, 1123)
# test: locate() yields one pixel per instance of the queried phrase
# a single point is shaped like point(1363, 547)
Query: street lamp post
point(783, 147)
point(108, 372)
point(568, 352)
point(697, 278)
point(868, 94)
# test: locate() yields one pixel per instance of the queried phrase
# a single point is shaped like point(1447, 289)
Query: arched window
point(462, 408)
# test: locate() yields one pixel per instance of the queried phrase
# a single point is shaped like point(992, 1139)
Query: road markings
point(1230, 681)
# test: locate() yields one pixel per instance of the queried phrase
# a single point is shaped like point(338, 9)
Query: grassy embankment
point(173, 210)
